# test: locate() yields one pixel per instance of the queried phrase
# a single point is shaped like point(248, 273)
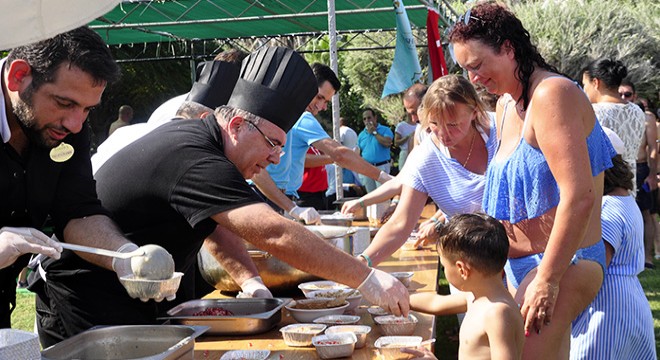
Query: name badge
point(61, 153)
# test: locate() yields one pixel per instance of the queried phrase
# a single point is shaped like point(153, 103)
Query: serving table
point(423, 262)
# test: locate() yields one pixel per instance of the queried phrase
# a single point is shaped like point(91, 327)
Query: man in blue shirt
point(374, 143)
point(281, 181)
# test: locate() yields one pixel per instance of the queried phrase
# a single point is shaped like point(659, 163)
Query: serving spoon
point(104, 252)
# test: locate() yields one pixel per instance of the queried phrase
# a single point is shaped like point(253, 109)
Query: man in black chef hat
point(189, 177)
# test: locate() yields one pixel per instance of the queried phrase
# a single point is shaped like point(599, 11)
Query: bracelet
point(395, 201)
point(361, 202)
point(435, 220)
point(366, 257)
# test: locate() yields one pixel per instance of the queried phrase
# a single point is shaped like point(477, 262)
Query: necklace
point(471, 147)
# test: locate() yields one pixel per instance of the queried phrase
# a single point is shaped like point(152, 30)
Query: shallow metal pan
point(251, 316)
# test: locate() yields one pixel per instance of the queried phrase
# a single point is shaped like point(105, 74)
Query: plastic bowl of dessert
point(307, 310)
point(389, 347)
point(354, 298)
point(310, 286)
point(246, 355)
point(360, 331)
point(375, 311)
point(301, 334)
point(391, 325)
point(337, 320)
point(332, 346)
point(404, 276)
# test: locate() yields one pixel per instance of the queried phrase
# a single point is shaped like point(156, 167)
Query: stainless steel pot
point(278, 276)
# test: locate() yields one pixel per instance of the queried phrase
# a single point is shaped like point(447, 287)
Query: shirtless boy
point(473, 249)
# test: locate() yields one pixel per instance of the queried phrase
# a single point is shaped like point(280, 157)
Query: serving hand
point(16, 241)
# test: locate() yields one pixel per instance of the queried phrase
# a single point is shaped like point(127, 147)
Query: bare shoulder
point(558, 89)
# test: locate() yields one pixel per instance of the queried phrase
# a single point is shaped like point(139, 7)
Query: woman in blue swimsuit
point(545, 182)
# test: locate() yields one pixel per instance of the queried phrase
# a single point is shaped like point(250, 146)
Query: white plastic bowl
point(246, 355)
point(337, 320)
point(353, 300)
point(308, 315)
point(391, 325)
point(301, 334)
point(333, 346)
point(389, 347)
point(377, 311)
point(310, 286)
point(405, 277)
point(360, 331)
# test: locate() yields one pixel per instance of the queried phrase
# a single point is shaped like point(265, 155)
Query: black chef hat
point(276, 84)
point(214, 84)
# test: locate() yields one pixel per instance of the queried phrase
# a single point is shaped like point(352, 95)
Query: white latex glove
point(16, 241)
point(254, 288)
point(386, 291)
point(123, 268)
point(307, 214)
point(384, 177)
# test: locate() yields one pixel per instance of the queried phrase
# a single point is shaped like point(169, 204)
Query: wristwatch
point(374, 132)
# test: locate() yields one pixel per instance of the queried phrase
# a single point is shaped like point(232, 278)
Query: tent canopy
point(145, 21)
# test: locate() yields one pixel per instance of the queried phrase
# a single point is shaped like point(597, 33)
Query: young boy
point(473, 249)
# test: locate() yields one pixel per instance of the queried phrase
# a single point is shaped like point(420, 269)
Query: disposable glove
point(386, 291)
point(16, 241)
point(123, 269)
point(254, 288)
point(384, 177)
point(308, 214)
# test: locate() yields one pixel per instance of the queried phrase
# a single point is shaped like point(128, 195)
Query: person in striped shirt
point(618, 323)
point(449, 166)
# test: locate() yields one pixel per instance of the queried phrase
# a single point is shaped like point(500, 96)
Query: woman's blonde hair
point(443, 95)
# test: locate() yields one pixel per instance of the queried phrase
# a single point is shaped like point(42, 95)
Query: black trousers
point(312, 199)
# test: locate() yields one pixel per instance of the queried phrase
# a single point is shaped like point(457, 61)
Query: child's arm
point(432, 303)
point(504, 328)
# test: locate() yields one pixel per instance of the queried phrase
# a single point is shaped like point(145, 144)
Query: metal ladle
point(104, 252)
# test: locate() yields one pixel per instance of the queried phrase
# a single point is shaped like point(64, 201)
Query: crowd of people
point(555, 188)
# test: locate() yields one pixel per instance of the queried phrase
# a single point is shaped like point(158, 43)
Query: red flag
point(436, 55)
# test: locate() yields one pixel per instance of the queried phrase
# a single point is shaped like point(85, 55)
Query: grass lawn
point(446, 326)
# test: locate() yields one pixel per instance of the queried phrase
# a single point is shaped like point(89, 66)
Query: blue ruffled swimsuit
point(522, 186)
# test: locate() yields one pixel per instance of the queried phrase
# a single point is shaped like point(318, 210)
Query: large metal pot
point(278, 276)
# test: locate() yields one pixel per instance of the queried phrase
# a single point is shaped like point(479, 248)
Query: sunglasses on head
point(626, 94)
point(465, 19)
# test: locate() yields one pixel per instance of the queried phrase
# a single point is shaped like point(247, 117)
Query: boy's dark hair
point(478, 239)
point(323, 73)
point(618, 176)
point(81, 48)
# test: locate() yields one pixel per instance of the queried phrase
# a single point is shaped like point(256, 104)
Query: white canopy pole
point(332, 32)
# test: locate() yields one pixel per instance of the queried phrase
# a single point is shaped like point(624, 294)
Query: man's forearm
point(97, 231)
point(230, 251)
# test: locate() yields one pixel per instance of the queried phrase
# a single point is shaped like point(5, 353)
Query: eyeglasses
point(274, 149)
point(626, 94)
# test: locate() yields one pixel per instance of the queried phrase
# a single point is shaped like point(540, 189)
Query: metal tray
point(134, 342)
point(251, 316)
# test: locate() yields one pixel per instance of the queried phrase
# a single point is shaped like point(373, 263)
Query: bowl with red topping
point(332, 346)
point(391, 325)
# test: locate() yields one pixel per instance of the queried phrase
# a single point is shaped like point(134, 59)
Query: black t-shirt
point(163, 188)
point(34, 187)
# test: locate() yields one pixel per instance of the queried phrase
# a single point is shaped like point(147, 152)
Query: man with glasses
point(188, 178)
point(281, 182)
